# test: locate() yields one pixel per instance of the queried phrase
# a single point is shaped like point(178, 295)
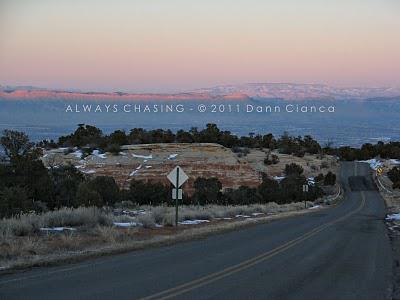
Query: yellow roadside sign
point(379, 171)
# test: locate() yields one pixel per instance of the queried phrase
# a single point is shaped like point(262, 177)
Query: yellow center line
point(186, 287)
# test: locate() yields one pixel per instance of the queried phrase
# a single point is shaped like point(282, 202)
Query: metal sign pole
point(176, 198)
point(305, 201)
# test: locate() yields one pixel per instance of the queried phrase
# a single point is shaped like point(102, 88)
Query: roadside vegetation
point(89, 137)
point(27, 185)
point(394, 176)
point(54, 210)
point(31, 238)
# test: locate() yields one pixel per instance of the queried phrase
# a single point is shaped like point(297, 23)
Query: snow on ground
point(57, 229)
point(78, 154)
point(373, 163)
point(242, 216)
point(395, 161)
point(257, 214)
point(80, 166)
point(193, 222)
point(393, 217)
point(98, 154)
point(125, 224)
point(122, 153)
point(172, 156)
point(133, 172)
point(139, 167)
point(142, 156)
point(314, 207)
point(88, 171)
point(134, 212)
point(148, 167)
point(278, 178)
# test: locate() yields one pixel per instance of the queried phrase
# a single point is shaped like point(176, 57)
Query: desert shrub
point(76, 217)
point(159, 213)
point(394, 176)
point(273, 161)
point(66, 180)
point(148, 193)
point(330, 178)
point(293, 169)
point(107, 188)
point(243, 195)
point(207, 190)
point(21, 225)
point(14, 200)
point(240, 151)
point(147, 220)
point(396, 185)
point(319, 178)
point(114, 149)
point(124, 204)
point(87, 196)
point(324, 165)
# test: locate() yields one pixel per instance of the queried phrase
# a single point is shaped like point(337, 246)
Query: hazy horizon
point(142, 46)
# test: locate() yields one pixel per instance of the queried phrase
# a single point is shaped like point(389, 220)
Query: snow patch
point(57, 229)
point(257, 214)
point(314, 207)
point(193, 222)
point(125, 224)
point(98, 154)
point(172, 156)
point(78, 154)
point(242, 216)
point(142, 156)
point(88, 171)
point(395, 161)
point(278, 178)
point(373, 163)
point(133, 173)
point(393, 217)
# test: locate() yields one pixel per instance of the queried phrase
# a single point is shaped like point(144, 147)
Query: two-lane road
point(337, 253)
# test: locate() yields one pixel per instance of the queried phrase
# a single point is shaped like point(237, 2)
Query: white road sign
point(182, 177)
point(180, 194)
point(305, 187)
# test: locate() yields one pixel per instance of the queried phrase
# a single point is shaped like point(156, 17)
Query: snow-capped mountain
point(291, 91)
point(240, 92)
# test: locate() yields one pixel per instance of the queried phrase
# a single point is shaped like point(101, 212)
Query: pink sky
point(175, 45)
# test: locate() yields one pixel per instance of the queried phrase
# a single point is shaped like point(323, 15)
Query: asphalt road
point(337, 253)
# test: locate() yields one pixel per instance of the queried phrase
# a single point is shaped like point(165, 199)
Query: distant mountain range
point(240, 92)
point(291, 91)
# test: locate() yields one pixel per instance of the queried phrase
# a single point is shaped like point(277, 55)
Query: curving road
point(337, 253)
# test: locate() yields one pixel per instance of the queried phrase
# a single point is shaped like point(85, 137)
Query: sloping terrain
point(152, 162)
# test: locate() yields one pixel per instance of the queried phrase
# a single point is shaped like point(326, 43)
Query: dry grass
point(22, 243)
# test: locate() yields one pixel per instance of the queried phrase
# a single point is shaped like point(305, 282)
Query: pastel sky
point(175, 45)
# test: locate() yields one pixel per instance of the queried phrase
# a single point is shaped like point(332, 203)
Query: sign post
point(177, 177)
point(305, 190)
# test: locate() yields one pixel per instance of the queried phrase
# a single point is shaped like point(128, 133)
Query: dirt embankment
point(392, 201)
